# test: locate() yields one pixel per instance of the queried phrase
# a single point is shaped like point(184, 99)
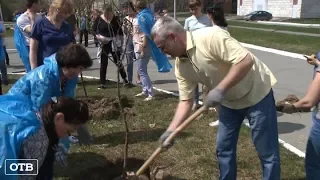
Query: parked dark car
point(258, 15)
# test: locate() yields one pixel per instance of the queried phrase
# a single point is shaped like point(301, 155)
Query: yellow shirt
point(211, 53)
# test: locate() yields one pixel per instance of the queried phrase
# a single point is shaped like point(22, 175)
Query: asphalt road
point(294, 76)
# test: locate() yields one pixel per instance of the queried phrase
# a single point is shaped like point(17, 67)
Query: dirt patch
point(291, 99)
point(112, 171)
point(288, 100)
point(108, 108)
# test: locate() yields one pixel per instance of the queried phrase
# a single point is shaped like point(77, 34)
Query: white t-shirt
point(193, 23)
point(137, 35)
point(23, 22)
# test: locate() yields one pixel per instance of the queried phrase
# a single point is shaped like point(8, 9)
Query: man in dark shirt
point(83, 23)
point(108, 30)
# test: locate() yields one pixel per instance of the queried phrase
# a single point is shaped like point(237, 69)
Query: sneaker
point(141, 94)
point(102, 86)
point(149, 98)
point(214, 123)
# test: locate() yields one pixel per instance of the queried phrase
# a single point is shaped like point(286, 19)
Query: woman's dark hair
point(72, 56)
point(129, 4)
point(29, 3)
point(217, 15)
point(107, 8)
point(195, 3)
point(76, 112)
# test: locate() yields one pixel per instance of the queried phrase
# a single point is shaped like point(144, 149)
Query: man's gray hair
point(164, 26)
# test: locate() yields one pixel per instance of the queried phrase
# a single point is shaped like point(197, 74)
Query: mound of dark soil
point(289, 99)
point(108, 108)
point(112, 171)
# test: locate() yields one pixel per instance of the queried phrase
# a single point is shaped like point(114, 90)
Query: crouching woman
point(29, 135)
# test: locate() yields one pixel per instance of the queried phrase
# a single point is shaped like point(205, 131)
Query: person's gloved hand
point(84, 136)
point(73, 139)
point(214, 97)
point(163, 137)
point(61, 155)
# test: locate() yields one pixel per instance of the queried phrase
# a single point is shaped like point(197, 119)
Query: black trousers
point(85, 34)
point(106, 50)
point(96, 42)
point(7, 56)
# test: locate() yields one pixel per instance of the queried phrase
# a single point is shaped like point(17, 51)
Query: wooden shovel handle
point(180, 128)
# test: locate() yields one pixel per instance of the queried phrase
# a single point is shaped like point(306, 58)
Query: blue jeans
point(130, 57)
point(264, 133)
point(143, 72)
point(312, 161)
point(196, 95)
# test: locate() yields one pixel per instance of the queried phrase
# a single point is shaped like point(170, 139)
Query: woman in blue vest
point(311, 99)
point(57, 77)
point(144, 47)
point(26, 134)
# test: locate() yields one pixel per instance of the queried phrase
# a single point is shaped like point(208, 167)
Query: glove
point(73, 139)
point(287, 108)
point(214, 97)
point(163, 137)
point(84, 135)
point(61, 155)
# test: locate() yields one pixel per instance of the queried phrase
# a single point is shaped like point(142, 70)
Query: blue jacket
point(17, 122)
point(43, 83)
point(146, 22)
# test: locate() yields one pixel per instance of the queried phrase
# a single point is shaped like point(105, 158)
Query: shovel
point(180, 128)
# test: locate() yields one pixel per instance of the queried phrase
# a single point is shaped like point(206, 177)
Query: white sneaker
point(141, 94)
point(214, 123)
point(149, 98)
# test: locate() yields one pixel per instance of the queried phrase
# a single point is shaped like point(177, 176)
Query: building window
point(240, 2)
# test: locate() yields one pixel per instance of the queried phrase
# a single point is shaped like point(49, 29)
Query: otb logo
point(21, 167)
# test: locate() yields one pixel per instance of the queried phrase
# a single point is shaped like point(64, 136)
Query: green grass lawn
point(275, 27)
point(305, 21)
point(9, 33)
point(192, 157)
point(287, 42)
point(293, 43)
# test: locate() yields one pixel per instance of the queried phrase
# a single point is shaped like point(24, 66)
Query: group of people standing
point(130, 34)
point(241, 86)
point(41, 104)
point(40, 108)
